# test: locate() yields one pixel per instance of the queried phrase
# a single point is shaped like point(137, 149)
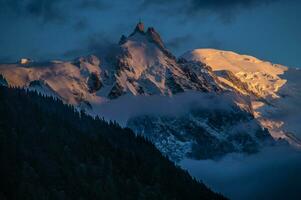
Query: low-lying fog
point(274, 173)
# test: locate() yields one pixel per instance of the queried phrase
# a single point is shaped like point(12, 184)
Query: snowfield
point(275, 88)
point(262, 77)
point(143, 84)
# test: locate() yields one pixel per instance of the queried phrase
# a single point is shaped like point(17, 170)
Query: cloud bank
point(60, 10)
point(225, 9)
point(274, 173)
point(125, 107)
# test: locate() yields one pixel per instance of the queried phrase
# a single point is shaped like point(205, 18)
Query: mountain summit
point(151, 34)
point(139, 27)
point(234, 92)
point(146, 67)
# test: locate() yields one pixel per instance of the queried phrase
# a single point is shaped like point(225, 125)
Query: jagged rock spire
point(155, 37)
point(139, 28)
point(151, 35)
point(122, 40)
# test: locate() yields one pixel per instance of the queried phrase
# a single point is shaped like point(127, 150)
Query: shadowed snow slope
point(142, 73)
point(273, 89)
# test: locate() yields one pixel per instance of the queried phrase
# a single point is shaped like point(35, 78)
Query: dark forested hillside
point(50, 151)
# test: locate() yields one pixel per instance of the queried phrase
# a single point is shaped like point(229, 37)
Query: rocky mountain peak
point(155, 37)
point(151, 35)
point(139, 28)
point(122, 40)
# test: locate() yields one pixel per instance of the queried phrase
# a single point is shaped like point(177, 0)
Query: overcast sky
point(63, 29)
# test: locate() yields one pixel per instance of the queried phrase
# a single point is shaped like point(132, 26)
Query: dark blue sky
point(61, 29)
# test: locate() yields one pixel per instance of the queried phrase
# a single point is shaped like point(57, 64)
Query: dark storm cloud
point(184, 43)
point(225, 9)
point(179, 41)
point(226, 4)
point(54, 26)
point(213, 5)
point(49, 10)
point(58, 10)
point(44, 10)
point(102, 45)
point(96, 43)
point(93, 4)
point(81, 24)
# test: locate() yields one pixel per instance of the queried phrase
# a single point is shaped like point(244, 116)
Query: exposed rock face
point(142, 66)
point(3, 81)
point(145, 67)
point(231, 81)
point(260, 77)
point(261, 81)
point(201, 76)
point(94, 82)
point(116, 91)
point(122, 40)
point(138, 29)
point(42, 87)
point(155, 37)
point(202, 133)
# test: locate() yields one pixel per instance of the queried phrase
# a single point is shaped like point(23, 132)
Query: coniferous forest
point(48, 150)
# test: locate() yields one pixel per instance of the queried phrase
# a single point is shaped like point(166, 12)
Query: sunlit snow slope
point(261, 77)
point(141, 68)
point(66, 80)
point(270, 86)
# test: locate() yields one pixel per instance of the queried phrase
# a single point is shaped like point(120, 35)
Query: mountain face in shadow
point(50, 151)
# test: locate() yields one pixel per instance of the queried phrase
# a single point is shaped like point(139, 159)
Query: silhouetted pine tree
point(50, 151)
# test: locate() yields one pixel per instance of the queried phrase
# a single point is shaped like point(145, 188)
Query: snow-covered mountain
point(261, 78)
point(145, 67)
point(204, 104)
point(268, 86)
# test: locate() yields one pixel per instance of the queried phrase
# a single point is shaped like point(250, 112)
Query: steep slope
point(260, 77)
point(146, 67)
point(49, 151)
point(270, 86)
point(203, 131)
point(143, 67)
point(68, 80)
point(3, 81)
point(282, 115)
